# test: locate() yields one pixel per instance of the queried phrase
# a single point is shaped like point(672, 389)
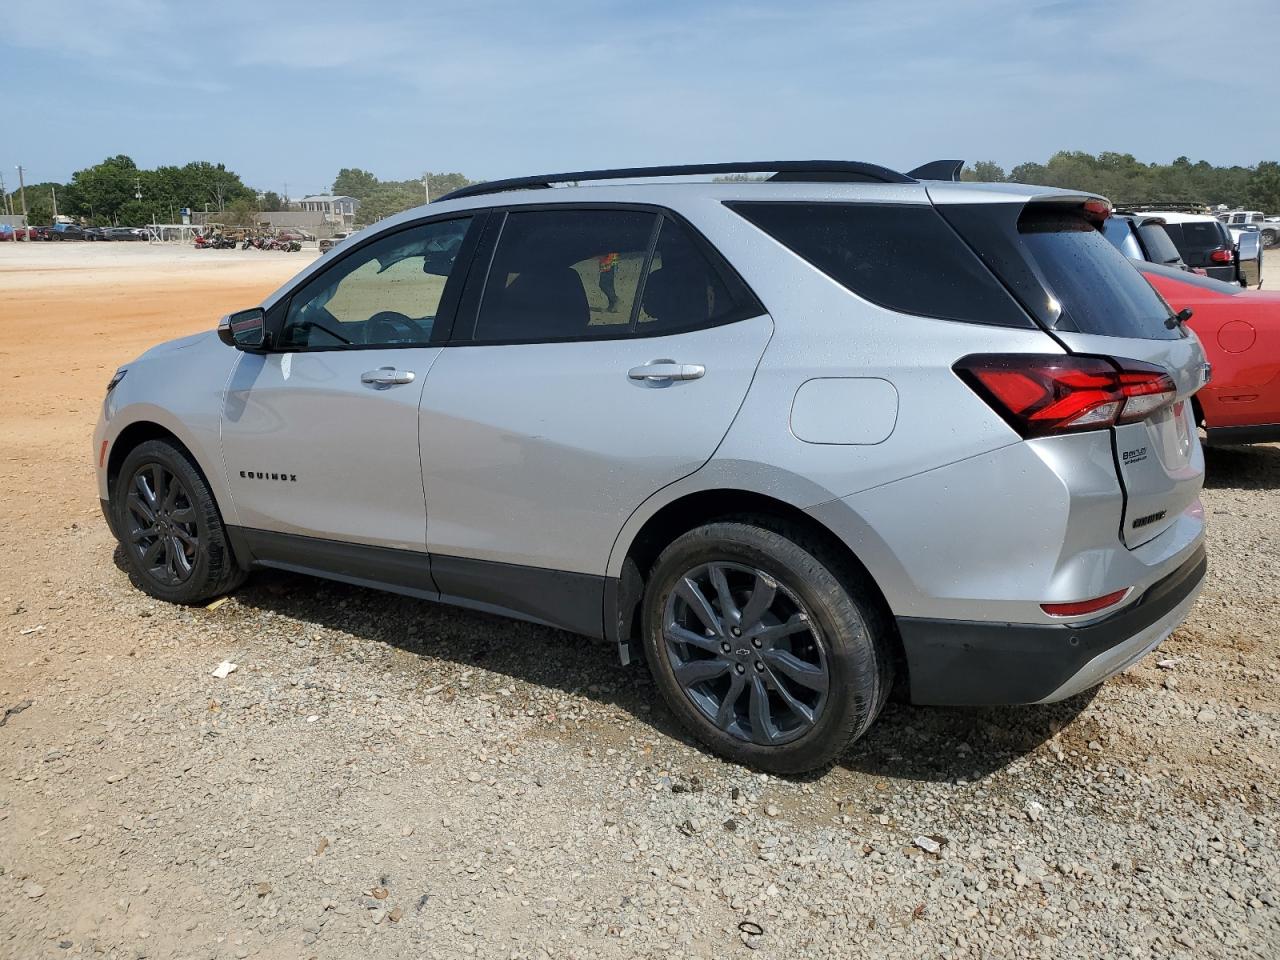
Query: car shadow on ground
point(933, 744)
point(1255, 467)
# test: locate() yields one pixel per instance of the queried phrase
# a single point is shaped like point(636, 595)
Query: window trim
point(468, 314)
point(450, 298)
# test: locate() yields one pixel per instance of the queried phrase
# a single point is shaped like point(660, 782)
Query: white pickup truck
point(1268, 227)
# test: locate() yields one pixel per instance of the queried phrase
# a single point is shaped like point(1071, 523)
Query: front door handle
point(664, 371)
point(386, 376)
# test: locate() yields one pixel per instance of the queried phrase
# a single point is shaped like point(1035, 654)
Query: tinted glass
point(384, 294)
point(904, 257)
point(1120, 232)
point(1197, 236)
point(1099, 291)
point(565, 274)
point(1159, 246)
point(682, 291)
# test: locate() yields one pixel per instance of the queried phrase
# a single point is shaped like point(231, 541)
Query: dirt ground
point(384, 777)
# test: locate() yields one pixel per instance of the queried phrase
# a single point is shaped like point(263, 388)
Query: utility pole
point(5, 203)
point(426, 186)
point(54, 193)
point(22, 190)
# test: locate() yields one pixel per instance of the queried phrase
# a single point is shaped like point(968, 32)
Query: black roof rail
point(938, 170)
point(840, 171)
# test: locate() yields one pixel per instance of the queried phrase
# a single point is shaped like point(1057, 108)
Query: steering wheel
point(388, 326)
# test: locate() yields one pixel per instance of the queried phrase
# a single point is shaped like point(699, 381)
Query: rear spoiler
point(938, 170)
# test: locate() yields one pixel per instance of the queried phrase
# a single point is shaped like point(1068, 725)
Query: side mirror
point(244, 330)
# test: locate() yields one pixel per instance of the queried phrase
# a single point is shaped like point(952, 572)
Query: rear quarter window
point(904, 257)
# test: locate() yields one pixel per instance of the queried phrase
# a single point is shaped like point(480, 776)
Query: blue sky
point(286, 92)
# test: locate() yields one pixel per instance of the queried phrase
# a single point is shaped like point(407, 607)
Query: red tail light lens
point(1041, 395)
point(1221, 256)
point(1081, 607)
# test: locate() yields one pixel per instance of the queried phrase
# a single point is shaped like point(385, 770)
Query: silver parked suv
point(783, 439)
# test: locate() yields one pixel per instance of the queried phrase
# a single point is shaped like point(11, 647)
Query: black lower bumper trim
point(1261, 433)
point(973, 663)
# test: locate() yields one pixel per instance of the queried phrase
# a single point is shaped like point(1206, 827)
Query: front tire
point(168, 524)
point(772, 650)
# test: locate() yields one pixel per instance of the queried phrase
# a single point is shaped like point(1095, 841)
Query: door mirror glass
point(244, 330)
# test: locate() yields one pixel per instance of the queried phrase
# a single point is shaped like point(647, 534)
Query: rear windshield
point(1159, 246)
point(1097, 289)
point(901, 256)
point(1196, 236)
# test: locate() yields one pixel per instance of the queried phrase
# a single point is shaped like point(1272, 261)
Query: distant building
point(336, 210)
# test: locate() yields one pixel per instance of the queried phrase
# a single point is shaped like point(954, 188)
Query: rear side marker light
point(1046, 395)
point(1080, 607)
point(1221, 256)
point(102, 455)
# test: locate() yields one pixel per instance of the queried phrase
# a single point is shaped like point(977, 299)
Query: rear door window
point(1097, 290)
point(901, 256)
point(595, 274)
point(683, 290)
point(564, 275)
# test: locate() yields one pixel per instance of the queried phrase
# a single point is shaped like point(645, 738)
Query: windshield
point(1096, 287)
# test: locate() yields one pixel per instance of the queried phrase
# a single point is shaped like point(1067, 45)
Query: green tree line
point(382, 198)
point(118, 191)
point(1126, 180)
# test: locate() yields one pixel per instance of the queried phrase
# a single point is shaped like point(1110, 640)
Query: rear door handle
point(664, 371)
point(386, 376)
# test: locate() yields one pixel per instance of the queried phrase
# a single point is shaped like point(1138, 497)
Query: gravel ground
point(386, 777)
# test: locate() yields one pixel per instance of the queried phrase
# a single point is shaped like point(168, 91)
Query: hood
point(182, 343)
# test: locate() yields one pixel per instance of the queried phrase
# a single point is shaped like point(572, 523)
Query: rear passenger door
point(601, 355)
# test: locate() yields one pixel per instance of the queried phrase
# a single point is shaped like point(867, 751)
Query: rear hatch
point(1054, 259)
point(1196, 240)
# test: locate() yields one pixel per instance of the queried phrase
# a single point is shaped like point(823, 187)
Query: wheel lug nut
point(740, 668)
point(725, 647)
point(755, 642)
point(759, 667)
point(736, 631)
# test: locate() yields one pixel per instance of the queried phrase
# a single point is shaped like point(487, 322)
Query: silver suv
point(785, 440)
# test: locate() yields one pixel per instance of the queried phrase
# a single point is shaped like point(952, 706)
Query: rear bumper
point(970, 663)
point(1260, 433)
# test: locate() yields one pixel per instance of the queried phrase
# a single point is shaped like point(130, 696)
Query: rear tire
point(169, 526)
point(788, 660)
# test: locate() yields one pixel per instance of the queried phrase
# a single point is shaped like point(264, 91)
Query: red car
point(1240, 331)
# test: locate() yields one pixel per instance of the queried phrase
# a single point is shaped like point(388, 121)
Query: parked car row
point(73, 231)
point(1200, 243)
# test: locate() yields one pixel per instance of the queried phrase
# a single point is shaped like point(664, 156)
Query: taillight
point(1221, 256)
point(1042, 395)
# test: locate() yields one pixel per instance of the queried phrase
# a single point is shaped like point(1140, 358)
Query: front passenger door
point(320, 435)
